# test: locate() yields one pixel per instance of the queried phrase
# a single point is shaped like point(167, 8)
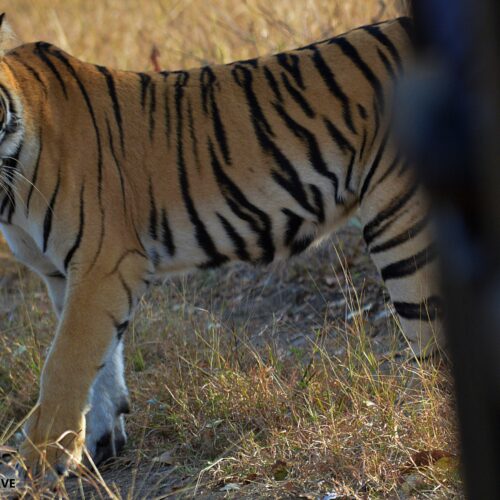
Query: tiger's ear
point(6, 34)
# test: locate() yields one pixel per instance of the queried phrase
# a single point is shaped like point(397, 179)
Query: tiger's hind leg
point(398, 234)
point(109, 401)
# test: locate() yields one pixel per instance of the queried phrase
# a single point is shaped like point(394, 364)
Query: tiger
point(111, 180)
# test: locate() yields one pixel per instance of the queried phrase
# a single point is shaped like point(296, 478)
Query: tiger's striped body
point(137, 175)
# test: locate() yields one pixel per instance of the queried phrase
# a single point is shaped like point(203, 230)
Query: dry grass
point(234, 407)
point(120, 33)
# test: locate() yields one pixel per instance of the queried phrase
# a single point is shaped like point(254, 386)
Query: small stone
point(230, 487)
point(165, 458)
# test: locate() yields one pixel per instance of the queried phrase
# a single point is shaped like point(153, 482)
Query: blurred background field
point(246, 383)
point(188, 33)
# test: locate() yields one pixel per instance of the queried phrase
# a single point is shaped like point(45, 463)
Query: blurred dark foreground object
point(454, 137)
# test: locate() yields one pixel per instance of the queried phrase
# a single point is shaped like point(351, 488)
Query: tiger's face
point(10, 133)
point(6, 116)
point(9, 121)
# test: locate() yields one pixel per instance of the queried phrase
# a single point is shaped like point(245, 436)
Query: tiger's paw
point(51, 447)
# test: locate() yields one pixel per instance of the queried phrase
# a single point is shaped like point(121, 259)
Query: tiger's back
point(134, 175)
point(292, 132)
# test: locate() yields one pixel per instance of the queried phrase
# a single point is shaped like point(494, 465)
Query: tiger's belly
point(25, 249)
point(288, 232)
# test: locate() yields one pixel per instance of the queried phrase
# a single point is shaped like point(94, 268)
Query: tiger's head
point(9, 119)
point(10, 108)
point(8, 116)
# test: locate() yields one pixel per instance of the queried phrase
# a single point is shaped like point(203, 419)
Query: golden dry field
point(245, 382)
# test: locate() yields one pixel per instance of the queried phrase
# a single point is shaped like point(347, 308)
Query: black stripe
point(291, 63)
point(145, 80)
point(219, 130)
point(120, 329)
point(8, 103)
point(311, 46)
point(381, 37)
point(314, 153)
point(8, 97)
point(244, 78)
point(35, 175)
point(124, 255)
point(193, 136)
point(409, 266)
point(397, 161)
point(362, 111)
point(401, 238)
point(293, 224)
point(337, 136)
point(348, 177)
point(168, 128)
point(345, 146)
point(376, 128)
point(290, 181)
point(352, 53)
point(202, 236)
point(100, 243)
point(361, 151)
point(254, 62)
point(153, 213)
point(152, 110)
point(298, 97)
point(303, 244)
point(117, 165)
point(334, 88)
point(387, 64)
point(9, 201)
point(81, 225)
point(318, 201)
point(116, 103)
point(128, 292)
point(47, 222)
point(258, 220)
point(372, 229)
point(273, 83)
point(56, 275)
point(208, 80)
point(373, 168)
point(154, 257)
point(166, 235)
point(39, 51)
point(429, 309)
point(235, 237)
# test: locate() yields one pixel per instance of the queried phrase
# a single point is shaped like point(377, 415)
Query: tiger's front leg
point(97, 306)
